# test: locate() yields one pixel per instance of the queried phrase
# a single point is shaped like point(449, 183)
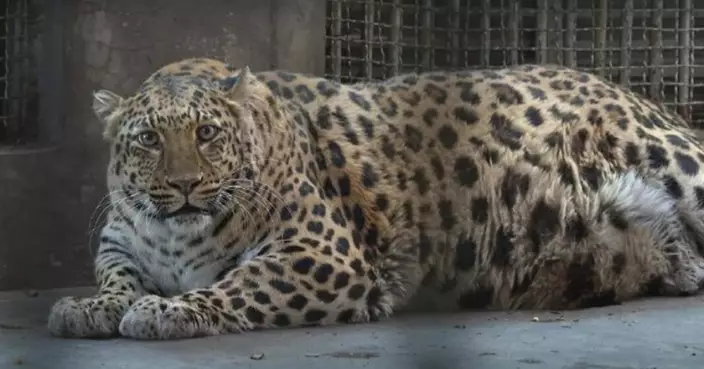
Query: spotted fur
point(314, 203)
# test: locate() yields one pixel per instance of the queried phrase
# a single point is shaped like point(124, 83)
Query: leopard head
point(181, 145)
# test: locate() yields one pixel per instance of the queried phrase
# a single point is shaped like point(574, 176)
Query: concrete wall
point(48, 192)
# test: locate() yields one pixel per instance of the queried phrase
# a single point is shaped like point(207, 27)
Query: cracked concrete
point(648, 334)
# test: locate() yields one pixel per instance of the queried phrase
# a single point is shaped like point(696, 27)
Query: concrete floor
point(652, 334)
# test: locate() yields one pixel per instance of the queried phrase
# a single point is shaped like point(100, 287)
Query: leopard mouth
point(187, 209)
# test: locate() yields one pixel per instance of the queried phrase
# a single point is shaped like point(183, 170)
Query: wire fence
point(18, 80)
point(647, 45)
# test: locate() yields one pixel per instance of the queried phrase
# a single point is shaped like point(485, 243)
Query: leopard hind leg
point(617, 242)
point(673, 226)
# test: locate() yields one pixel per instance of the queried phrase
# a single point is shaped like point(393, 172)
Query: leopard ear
point(106, 105)
point(237, 86)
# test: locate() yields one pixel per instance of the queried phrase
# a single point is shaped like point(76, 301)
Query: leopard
point(243, 201)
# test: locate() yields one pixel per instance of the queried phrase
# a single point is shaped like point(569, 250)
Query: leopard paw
point(87, 317)
point(157, 318)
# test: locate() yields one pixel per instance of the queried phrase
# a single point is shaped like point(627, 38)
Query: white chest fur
point(178, 259)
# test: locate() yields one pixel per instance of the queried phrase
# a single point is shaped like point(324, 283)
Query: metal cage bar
point(685, 59)
point(396, 23)
point(543, 31)
point(486, 34)
point(656, 57)
point(601, 39)
point(515, 37)
point(626, 42)
point(570, 33)
point(18, 84)
point(647, 45)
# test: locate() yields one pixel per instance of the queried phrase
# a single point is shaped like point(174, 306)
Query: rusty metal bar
point(542, 31)
point(337, 40)
point(571, 33)
point(455, 33)
point(626, 43)
point(486, 33)
point(656, 57)
point(600, 39)
point(503, 42)
point(396, 33)
point(427, 34)
point(466, 30)
point(685, 59)
point(514, 32)
point(555, 32)
point(369, 39)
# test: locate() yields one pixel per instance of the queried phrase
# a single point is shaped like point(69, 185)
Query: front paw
point(89, 317)
point(157, 318)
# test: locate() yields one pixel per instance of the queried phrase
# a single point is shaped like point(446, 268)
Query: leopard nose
point(185, 184)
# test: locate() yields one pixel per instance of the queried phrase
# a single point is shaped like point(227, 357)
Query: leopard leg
point(99, 316)
point(291, 287)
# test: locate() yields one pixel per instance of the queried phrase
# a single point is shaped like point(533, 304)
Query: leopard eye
point(207, 132)
point(148, 138)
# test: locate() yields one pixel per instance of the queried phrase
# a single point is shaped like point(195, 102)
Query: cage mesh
point(646, 45)
point(18, 88)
